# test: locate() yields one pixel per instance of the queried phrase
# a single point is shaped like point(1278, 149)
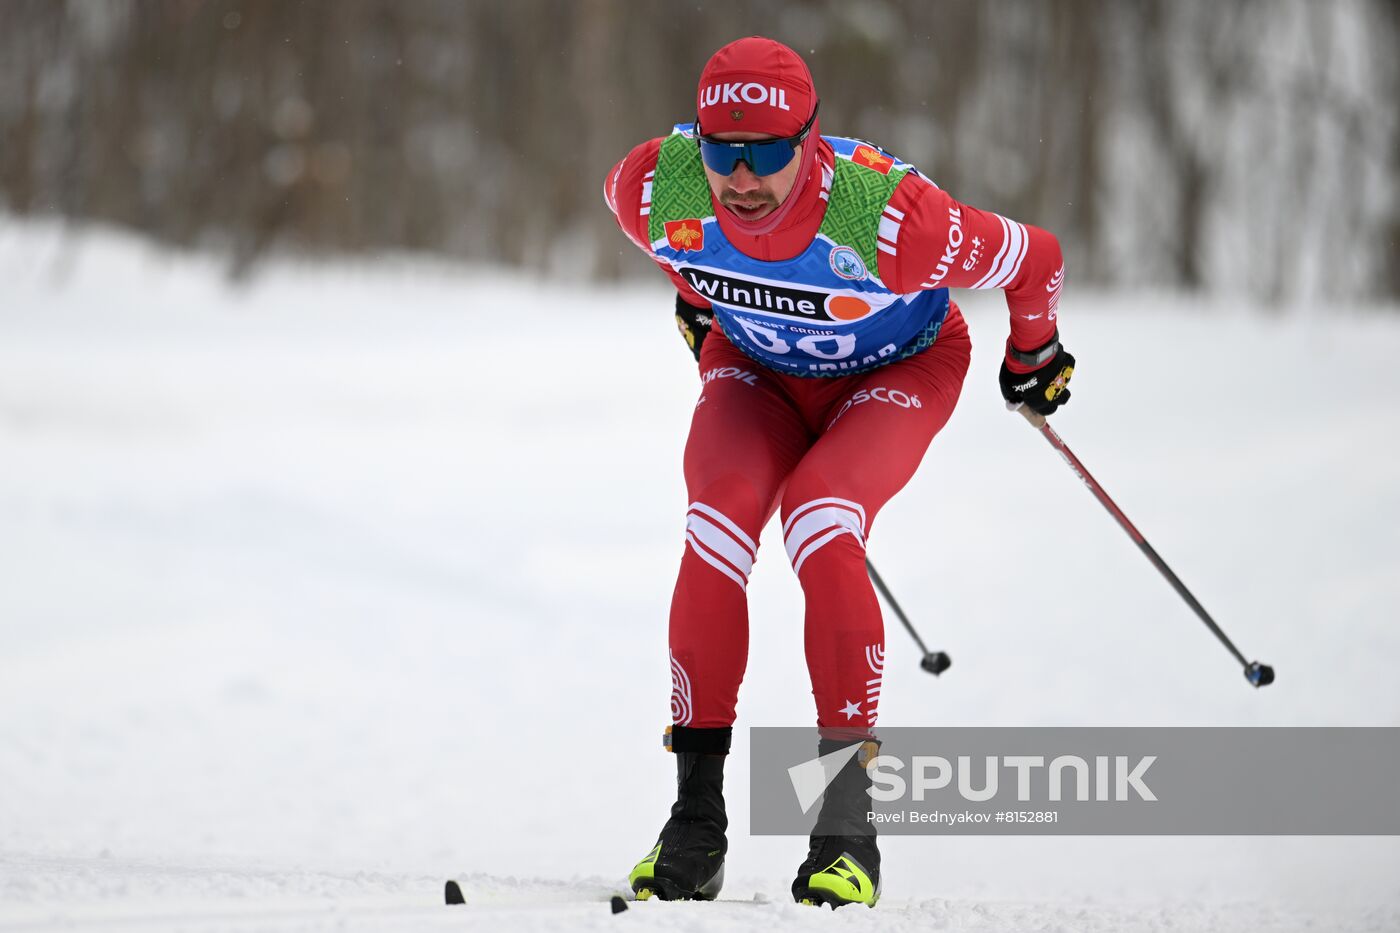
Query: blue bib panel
point(824, 312)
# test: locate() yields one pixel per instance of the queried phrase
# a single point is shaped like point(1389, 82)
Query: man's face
point(750, 196)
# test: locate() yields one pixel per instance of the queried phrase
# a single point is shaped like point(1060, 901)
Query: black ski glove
point(693, 323)
point(1044, 388)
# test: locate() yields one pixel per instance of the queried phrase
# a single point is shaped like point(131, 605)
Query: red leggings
point(829, 452)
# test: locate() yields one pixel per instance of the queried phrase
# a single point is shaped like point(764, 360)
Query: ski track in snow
point(318, 591)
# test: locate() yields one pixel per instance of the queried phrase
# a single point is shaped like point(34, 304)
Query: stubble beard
point(750, 206)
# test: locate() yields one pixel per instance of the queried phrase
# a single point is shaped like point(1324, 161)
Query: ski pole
point(935, 662)
point(1260, 675)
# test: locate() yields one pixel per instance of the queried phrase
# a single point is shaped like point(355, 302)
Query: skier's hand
point(693, 323)
point(1043, 388)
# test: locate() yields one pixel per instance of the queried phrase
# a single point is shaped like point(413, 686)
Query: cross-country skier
point(813, 275)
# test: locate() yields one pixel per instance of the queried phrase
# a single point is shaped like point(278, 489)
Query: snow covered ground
point(317, 592)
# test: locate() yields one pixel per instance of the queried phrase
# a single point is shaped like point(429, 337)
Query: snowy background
point(317, 591)
point(321, 587)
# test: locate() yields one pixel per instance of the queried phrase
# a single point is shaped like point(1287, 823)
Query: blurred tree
point(1248, 145)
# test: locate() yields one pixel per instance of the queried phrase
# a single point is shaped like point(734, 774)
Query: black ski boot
point(843, 861)
point(687, 862)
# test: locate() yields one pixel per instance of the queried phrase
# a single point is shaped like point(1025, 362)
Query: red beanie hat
point(756, 85)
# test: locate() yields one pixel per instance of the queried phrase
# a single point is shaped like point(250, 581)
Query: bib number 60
point(820, 346)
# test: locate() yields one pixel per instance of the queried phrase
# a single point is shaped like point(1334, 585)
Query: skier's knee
point(735, 499)
point(821, 524)
point(719, 539)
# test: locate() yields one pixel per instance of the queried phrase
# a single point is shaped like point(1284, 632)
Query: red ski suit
point(827, 453)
